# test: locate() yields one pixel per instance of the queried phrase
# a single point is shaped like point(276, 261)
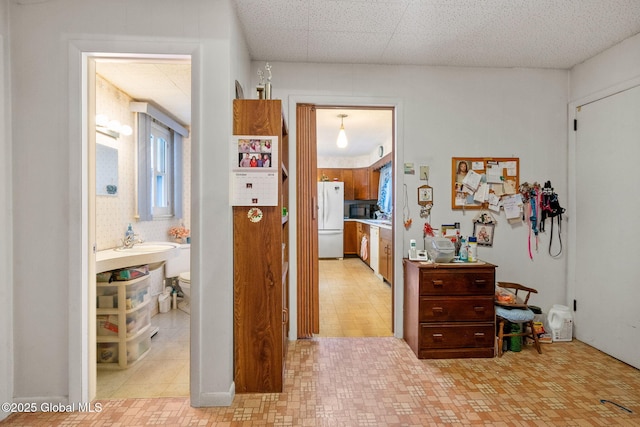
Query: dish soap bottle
point(464, 251)
point(129, 232)
point(473, 249)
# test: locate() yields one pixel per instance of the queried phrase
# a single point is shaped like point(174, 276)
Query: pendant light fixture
point(342, 137)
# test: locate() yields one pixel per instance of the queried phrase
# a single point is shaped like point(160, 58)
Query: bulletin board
point(478, 182)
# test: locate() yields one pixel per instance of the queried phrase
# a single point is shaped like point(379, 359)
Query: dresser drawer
point(457, 282)
point(471, 335)
point(456, 309)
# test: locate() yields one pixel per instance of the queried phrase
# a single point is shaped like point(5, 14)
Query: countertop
point(382, 223)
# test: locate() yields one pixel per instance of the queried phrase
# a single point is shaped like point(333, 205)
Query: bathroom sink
point(153, 254)
point(149, 247)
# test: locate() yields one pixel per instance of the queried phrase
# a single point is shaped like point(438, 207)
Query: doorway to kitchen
point(351, 291)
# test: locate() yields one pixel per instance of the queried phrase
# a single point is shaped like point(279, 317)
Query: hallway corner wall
point(6, 284)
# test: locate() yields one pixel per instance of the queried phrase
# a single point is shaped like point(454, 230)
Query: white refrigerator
point(330, 219)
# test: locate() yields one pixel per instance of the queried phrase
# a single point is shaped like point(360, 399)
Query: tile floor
point(344, 312)
point(379, 382)
point(353, 301)
point(164, 371)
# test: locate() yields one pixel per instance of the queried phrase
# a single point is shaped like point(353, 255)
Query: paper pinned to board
point(494, 174)
point(494, 202)
point(508, 187)
point(480, 195)
point(512, 206)
point(511, 167)
point(472, 180)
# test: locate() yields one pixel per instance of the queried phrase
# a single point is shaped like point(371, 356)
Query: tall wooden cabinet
point(448, 309)
point(261, 265)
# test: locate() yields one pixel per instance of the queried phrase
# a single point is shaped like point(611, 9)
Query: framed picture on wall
point(483, 233)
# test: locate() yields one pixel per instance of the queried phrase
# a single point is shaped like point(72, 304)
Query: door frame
point(82, 376)
point(398, 153)
point(572, 285)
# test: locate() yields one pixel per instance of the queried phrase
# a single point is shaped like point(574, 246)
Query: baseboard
point(204, 400)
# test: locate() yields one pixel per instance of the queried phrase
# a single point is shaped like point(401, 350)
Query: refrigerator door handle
point(327, 208)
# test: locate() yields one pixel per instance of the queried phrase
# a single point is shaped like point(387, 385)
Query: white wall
point(114, 213)
point(6, 294)
point(606, 70)
point(47, 175)
point(451, 112)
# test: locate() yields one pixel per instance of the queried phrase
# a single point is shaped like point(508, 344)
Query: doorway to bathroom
point(157, 338)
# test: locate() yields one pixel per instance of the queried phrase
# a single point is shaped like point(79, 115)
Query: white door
point(607, 244)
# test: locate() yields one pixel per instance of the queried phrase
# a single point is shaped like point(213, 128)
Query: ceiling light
point(342, 137)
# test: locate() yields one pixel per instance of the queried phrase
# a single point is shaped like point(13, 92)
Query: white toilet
point(180, 267)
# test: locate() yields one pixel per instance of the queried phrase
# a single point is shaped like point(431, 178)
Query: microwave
point(360, 210)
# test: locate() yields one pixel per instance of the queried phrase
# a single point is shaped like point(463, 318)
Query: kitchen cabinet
point(350, 238)
point(448, 309)
point(385, 263)
point(347, 178)
point(366, 182)
point(361, 184)
point(261, 264)
point(374, 183)
point(342, 175)
point(362, 230)
point(330, 174)
point(123, 326)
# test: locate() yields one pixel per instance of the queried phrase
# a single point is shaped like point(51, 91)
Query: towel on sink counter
point(364, 248)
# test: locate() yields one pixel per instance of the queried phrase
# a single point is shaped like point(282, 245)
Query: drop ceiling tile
point(524, 33)
point(346, 47)
point(292, 15)
point(281, 45)
point(355, 16)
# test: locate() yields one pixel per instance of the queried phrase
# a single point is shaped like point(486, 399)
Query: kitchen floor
point(379, 382)
point(164, 371)
point(353, 301)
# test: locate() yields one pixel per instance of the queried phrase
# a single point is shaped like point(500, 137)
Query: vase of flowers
point(179, 233)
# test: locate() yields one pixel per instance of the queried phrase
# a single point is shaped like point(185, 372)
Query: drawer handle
point(479, 309)
point(479, 334)
point(437, 309)
point(438, 283)
point(437, 337)
point(480, 281)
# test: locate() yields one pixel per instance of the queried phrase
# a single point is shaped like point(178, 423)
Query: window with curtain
point(162, 170)
point(385, 198)
point(159, 170)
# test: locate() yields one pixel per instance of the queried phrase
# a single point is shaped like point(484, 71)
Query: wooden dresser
point(448, 309)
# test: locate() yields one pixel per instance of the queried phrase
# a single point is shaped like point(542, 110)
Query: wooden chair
point(517, 312)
